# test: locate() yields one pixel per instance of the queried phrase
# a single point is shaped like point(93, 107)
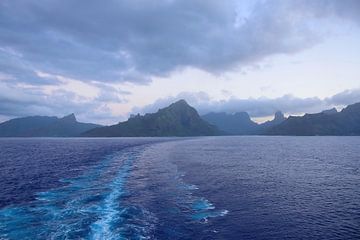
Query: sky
point(104, 60)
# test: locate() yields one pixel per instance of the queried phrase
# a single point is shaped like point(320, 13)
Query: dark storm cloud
point(133, 40)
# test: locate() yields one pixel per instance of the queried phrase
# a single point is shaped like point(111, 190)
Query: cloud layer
point(257, 107)
point(119, 41)
point(126, 40)
point(20, 101)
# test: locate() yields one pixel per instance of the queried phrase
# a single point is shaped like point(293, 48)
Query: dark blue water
point(199, 188)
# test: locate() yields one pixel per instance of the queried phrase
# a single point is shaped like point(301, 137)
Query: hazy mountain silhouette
point(278, 118)
point(329, 122)
point(240, 123)
point(330, 111)
point(232, 124)
point(42, 126)
point(178, 119)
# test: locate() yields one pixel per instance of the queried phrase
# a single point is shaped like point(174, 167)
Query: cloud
point(128, 40)
point(197, 99)
point(256, 107)
point(23, 101)
point(16, 70)
point(344, 9)
point(102, 43)
point(108, 93)
point(346, 97)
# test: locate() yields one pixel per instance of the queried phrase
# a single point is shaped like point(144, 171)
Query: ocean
point(245, 187)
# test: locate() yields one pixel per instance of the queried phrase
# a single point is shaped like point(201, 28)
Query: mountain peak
point(243, 115)
point(330, 111)
point(238, 123)
point(43, 126)
point(180, 102)
point(352, 108)
point(179, 107)
point(69, 118)
point(178, 119)
point(279, 116)
point(328, 122)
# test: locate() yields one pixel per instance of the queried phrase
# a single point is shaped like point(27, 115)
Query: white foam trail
point(101, 229)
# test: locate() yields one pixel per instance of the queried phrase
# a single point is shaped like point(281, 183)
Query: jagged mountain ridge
point(43, 126)
point(233, 124)
point(178, 119)
point(328, 122)
point(240, 123)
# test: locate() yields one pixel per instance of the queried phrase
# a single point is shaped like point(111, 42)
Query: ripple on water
point(201, 209)
point(92, 206)
point(87, 204)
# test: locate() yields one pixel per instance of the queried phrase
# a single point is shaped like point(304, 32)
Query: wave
point(200, 208)
point(101, 204)
point(87, 207)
